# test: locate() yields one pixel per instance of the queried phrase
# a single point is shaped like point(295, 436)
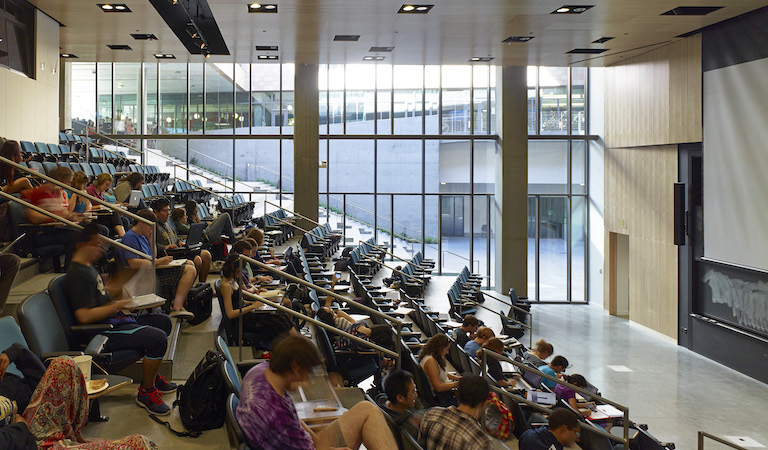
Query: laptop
point(134, 199)
point(145, 301)
point(532, 379)
point(194, 240)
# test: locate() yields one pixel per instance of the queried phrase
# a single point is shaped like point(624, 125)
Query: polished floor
point(674, 391)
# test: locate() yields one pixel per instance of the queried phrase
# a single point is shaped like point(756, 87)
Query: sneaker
point(182, 314)
point(152, 400)
point(163, 385)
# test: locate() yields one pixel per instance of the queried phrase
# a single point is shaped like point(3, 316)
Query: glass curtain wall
point(557, 184)
point(408, 151)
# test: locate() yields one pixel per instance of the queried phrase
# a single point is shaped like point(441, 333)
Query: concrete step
point(20, 291)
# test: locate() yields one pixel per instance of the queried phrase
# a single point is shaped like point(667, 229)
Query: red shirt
point(45, 198)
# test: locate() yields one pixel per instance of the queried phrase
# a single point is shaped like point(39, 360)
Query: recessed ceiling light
point(481, 59)
point(144, 36)
point(262, 8)
point(415, 9)
point(373, 58)
point(691, 10)
point(119, 47)
point(114, 7)
point(266, 48)
point(380, 49)
point(268, 57)
point(68, 55)
point(164, 56)
point(512, 39)
point(572, 9)
point(347, 37)
point(588, 51)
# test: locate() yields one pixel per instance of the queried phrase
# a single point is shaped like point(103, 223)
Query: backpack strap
point(192, 434)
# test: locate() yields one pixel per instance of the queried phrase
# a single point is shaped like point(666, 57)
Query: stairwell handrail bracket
point(625, 410)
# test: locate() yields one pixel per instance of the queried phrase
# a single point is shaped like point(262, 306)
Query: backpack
point(202, 399)
point(498, 418)
point(199, 302)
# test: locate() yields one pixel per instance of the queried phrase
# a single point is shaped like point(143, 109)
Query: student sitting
point(122, 192)
point(182, 277)
point(554, 369)
point(432, 360)
point(562, 432)
point(221, 225)
point(457, 428)
point(99, 189)
point(167, 239)
point(81, 205)
point(494, 365)
point(467, 330)
point(540, 351)
point(258, 235)
point(250, 282)
point(20, 389)
point(481, 338)
point(92, 303)
point(263, 328)
point(11, 179)
point(179, 220)
point(401, 396)
point(567, 394)
point(269, 419)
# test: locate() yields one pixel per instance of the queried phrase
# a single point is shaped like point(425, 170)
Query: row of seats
point(275, 221)
point(190, 190)
point(321, 240)
point(240, 209)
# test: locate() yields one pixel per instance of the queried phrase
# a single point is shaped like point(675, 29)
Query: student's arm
point(329, 298)
point(138, 262)
point(431, 368)
point(72, 201)
point(344, 315)
point(226, 297)
point(89, 315)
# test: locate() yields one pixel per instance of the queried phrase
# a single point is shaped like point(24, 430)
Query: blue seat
point(234, 427)
point(41, 148)
point(231, 377)
point(10, 334)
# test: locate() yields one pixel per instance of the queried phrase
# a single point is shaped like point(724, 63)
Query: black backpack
point(202, 400)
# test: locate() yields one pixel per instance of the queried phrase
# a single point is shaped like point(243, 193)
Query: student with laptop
point(170, 244)
point(92, 302)
point(122, 192)
point(554, 369)
point(182, 276)
point(220, 226)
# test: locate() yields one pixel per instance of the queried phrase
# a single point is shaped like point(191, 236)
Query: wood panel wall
point(639, 203)
point(652, 103)
point(655, 98)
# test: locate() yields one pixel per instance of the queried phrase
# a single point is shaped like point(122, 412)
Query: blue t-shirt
point(549, 371)
point(79, 207)
point(134, 240)
point(471, 348)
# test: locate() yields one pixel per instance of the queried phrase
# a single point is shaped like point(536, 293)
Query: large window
point(407, 154)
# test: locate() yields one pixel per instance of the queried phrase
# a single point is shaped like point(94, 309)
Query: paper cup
point(84, 363)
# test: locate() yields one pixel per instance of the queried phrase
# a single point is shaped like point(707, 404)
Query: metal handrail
point(323, 325)
point(622, 408)
point(292, 212)
point(70, 223)
point(418, 280)
point(530, 328)
point(516, 308)
point(704, 434)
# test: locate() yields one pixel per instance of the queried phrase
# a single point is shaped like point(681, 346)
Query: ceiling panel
point(453, 32)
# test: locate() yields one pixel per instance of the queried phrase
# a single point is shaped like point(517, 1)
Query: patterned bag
point(498, 418)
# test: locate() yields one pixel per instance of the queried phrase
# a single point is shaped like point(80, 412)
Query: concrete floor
point(674, 391)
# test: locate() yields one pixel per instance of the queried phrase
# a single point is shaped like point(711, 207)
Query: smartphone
point(337, 275)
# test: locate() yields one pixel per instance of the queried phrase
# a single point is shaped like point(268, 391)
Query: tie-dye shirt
point(266, 417)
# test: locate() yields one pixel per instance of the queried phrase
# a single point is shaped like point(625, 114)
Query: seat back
point(65, 313)
point(10, 334)
point(231, 377)
point(232, 425)
point(422, 381)
point(41, 325)
point(223, 348)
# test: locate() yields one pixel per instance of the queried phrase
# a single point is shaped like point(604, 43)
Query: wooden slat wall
point(652, 103)
point(655, 98)
point(639, 203)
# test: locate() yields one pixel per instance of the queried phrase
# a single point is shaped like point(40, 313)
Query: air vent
point(266, 48)
point(691, 10)
point(144, 36)
point(380, 49)
point(602, 40)
point(119, 47)
point(347, 37)
point(588, 51)
point(511, 39)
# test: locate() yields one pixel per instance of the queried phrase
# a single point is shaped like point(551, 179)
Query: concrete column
point(305, 138)
point(511, 200)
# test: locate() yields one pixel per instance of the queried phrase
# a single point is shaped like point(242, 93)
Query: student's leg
point(151, 342)
point(185, 284)
point(363, 423)
point(221, 225)
point(205, 266)
point(198, 263)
